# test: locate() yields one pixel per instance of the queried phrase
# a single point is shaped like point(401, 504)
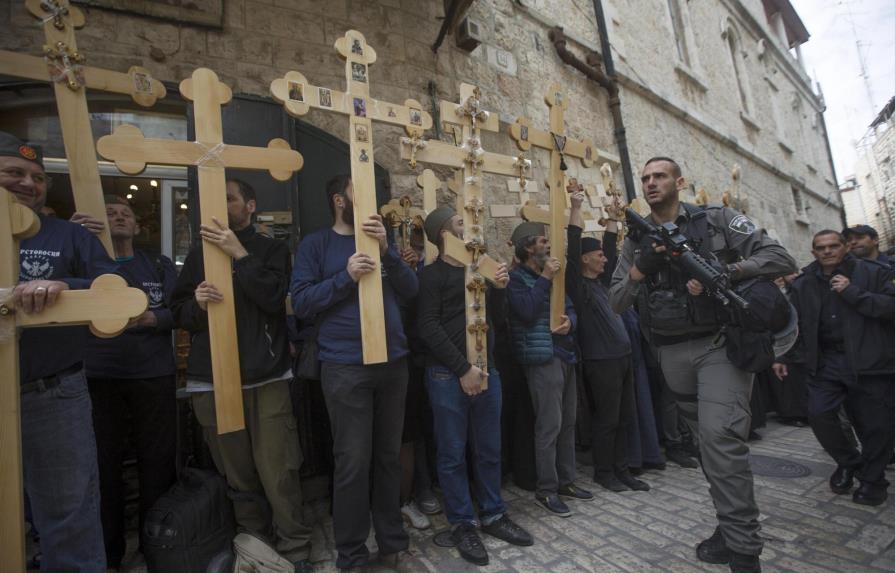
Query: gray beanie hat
point(435, 222)
point(525, 230)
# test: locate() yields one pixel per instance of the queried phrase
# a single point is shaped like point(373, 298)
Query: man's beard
point(348, 212)
point(541, 259)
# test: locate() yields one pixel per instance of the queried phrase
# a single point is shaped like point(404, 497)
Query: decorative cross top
point(63, 65)
point(131, 152)
point(298, 96)
point(559, 146)
point(401, 214)
point(107, 308)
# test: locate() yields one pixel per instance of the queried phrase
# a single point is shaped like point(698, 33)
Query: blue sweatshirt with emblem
point(322, 289)
point(60, 251)
point(140, 352)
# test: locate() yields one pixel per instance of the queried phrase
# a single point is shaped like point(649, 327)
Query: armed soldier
point(684, 323)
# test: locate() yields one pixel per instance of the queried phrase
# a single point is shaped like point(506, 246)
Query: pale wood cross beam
point(298, 96)
point(531, 211)
point(107, 307)
point(473, 161)
point(430, 184)
point(62, 65)
point(560, 147)
point(131, 152)
point(731, 197)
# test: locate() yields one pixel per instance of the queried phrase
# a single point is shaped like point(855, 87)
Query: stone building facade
point(875, 175)
point(712, 83)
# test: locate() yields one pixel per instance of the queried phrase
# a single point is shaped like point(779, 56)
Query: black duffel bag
point(189, 525)
point(752, 333)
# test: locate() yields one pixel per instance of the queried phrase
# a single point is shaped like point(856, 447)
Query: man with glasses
point(58, 446)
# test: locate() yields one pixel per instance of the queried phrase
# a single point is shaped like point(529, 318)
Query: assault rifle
point(682, 254)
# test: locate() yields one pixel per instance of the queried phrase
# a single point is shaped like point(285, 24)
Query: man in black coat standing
point(846, 312)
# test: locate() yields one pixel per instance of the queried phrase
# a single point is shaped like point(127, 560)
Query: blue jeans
point(460, 418)
point(61, 475)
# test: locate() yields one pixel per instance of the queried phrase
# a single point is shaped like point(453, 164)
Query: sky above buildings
point(839, 29)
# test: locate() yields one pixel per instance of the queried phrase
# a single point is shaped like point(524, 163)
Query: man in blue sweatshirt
point(365, 402)
point(131, 380)
point(58, 445)
point(548, 357)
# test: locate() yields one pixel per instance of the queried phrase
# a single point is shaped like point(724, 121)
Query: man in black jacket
point(260, 463)
point(606, 352)
point(464, 413)
point(847, 323)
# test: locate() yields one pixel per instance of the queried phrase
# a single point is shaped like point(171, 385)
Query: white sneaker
point(414, 516)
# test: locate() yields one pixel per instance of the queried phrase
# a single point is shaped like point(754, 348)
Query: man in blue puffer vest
point(548, 358)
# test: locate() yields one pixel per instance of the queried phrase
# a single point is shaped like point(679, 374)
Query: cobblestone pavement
point(807, 528)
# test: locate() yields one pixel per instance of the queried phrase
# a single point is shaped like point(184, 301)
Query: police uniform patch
point(742, 224)
point(28, 152)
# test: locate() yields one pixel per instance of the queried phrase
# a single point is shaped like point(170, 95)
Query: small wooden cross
point(131, 152)
point(472, 162)
point(107, 307)
point(298, 96)
point(402, 215)
point(62, 65)
point(560, 146)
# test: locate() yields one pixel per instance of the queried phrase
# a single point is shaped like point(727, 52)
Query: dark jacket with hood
point(260, 282)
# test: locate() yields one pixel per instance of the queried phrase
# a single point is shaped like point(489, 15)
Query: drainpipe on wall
point(591, 69)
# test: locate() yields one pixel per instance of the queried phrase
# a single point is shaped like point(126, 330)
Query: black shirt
point(830, 329)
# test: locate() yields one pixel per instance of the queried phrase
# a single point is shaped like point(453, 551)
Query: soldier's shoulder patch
point(742, 224)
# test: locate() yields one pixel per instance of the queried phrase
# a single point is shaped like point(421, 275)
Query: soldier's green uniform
point(712, 394)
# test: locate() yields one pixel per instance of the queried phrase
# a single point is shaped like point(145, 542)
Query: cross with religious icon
point(63, 65)
point(107, 307)
point(131, 152)
point(298, 96)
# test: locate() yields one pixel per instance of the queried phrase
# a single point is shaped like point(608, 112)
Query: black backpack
point(189, 525)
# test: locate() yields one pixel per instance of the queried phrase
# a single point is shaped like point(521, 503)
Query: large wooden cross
point(62, 65)
point(298, 96)
point(474, 161)
point(107, 307)
point(131, 152)
point(560, 147)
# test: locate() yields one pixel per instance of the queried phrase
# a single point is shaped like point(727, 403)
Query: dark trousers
point(366, 409)
point(791, 394)
point(610, 385)
point(144, 413)
point(870, 402)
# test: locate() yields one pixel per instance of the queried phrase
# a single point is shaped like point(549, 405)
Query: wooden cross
point(298, 96)
point(430, 184)
point(560, 146)
point(107, 307)
point(473, 162)
point(531, 211)
point(131, 152)
point(731, 197)
point(62, 65)
point(401, 214)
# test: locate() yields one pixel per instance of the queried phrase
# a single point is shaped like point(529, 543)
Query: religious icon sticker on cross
point(362, 110)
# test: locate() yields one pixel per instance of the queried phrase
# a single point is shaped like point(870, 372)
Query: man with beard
point(261, 462)
point(846, 312)
point(58, 445)
point(548, 357)
point(132, 386)
point(365, 402)
point(684, 323)
point(863, 242)
point(464, 413)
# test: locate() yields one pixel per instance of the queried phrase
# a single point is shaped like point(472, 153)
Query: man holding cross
point(463, 411)
point(548, 357)
point(365, 402)
point(58, 445)
point(261, 462)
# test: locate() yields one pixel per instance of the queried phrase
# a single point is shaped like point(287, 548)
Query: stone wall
point(692, 116)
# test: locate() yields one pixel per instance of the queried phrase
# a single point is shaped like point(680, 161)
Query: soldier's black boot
point(742, 563)
point(714, 549)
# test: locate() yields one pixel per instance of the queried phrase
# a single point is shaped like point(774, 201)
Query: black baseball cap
point(860, 230)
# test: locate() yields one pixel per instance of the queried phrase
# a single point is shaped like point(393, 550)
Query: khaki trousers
point(261, 464)
point(713, 396)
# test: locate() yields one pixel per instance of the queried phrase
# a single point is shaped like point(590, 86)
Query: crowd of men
point(640, 353)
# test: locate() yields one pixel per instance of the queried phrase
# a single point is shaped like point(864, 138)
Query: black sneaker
point(611, 483)
point(632, 482)
point(575, 492)
point(681, 458)
point(509, 531)
point(743, 563)
point(714, 549)
point(659, 466)
point(553, 504)
point(303, 566)
point(469, 545)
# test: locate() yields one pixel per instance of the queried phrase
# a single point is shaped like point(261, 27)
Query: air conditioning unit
point(469, 34)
